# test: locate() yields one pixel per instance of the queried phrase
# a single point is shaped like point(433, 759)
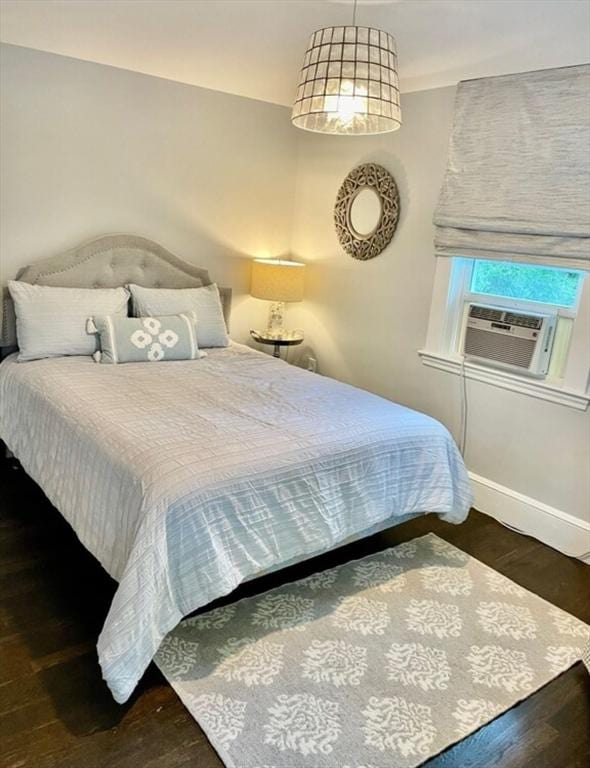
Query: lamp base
point(276, 314)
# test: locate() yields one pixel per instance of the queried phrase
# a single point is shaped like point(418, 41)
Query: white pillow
point(51, 322)
point(204, 302)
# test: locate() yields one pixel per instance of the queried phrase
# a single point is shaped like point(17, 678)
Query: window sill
point(506, 380)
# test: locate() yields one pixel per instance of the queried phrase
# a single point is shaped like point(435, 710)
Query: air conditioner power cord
point(464, 409)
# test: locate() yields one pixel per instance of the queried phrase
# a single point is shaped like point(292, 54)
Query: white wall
point(370, 318)
point(89, 150)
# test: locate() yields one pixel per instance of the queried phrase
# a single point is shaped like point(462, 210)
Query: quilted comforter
point(186, 478)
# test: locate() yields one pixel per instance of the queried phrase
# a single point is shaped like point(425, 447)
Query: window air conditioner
point(518, 341)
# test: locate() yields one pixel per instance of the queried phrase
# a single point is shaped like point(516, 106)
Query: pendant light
point(348, 83)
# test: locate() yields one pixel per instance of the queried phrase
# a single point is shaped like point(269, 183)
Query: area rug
point(379, 663)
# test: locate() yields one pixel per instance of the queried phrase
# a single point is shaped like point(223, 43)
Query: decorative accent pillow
point(51, 322)
point(204, 301)
point(145, 339)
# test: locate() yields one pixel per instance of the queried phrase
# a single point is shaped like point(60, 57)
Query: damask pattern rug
point(379, 663)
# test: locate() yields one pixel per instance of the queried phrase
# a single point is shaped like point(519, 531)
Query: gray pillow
point(145, 339)
point(204, 301)
point(51, 322)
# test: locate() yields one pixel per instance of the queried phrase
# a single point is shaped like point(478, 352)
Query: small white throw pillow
point(204, 302)
point(51, 322)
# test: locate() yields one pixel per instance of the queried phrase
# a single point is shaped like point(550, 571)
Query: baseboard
point(558, 529)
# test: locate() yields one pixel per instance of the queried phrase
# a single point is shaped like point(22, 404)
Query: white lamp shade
point(348, 83)
point(277, 280)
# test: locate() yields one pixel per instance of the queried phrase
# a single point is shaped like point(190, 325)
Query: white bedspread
point(186, 478)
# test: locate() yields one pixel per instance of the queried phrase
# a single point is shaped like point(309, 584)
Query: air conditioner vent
point(523, 321)
point(485, 313)
point(511, 350)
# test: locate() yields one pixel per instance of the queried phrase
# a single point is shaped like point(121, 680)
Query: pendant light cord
point(354, 13)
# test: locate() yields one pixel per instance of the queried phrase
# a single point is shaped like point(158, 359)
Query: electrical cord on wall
point(464, 409)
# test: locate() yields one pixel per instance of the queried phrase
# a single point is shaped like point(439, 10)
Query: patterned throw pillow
point(145, 339)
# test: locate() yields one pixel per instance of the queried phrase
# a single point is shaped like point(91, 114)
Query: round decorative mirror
point(366, 211)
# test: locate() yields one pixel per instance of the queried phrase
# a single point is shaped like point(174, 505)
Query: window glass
point(548, 285)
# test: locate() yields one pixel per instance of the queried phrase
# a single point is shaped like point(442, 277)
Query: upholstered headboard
point(108, 262)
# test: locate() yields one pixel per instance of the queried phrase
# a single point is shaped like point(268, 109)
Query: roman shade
point(517, 184)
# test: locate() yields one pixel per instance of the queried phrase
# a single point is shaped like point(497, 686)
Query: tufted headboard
point(109, 262)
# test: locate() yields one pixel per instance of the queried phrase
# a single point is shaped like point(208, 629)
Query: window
point(524, 287)
point(534, 289)
point(546, 285)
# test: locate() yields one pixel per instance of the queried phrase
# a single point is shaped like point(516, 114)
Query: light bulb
point(349, 101)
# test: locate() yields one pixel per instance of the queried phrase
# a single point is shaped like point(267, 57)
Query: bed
point(186, 478)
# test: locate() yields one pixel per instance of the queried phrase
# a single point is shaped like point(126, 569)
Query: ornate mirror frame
point(379, 180)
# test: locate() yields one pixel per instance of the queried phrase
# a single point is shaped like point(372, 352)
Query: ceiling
point(254, 47)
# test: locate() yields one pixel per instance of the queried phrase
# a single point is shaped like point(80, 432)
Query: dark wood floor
point(55, 711)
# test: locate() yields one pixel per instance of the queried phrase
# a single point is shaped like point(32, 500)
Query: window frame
point(461, 295)
point(447, 321)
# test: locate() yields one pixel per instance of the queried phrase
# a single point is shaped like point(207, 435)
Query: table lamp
point(278, 281)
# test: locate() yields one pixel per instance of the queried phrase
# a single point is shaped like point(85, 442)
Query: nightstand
point(284, 339)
